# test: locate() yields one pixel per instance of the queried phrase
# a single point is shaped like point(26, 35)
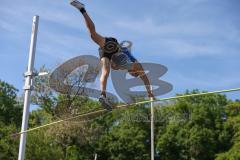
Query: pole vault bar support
point(28, 87)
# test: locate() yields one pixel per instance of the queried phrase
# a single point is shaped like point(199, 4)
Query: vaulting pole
point(27, 88)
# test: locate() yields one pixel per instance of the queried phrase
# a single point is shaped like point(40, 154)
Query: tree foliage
point(10, 108)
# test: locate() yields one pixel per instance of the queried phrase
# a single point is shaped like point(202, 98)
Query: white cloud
point(63, 45)
point(149, 26)
point(185, 39)
point(185, 49)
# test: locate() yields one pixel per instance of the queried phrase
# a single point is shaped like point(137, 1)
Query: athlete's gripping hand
point(151, 96)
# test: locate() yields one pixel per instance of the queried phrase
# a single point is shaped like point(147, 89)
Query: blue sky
point(197, 40)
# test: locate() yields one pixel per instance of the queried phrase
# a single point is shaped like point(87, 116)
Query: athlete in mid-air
point(113, 55)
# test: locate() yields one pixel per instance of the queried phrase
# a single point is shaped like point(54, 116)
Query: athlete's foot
point(77, 4)
point(105, 103)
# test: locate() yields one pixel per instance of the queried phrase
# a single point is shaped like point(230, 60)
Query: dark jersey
point(111, 47)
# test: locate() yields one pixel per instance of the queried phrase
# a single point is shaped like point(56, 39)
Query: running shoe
point(105, 103)
point(77, 4)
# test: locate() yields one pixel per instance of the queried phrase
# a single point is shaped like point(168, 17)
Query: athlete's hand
point(114, 66)
point(150, 95)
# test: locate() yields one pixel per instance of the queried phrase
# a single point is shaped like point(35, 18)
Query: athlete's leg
point(137, 70)
point(97, 38)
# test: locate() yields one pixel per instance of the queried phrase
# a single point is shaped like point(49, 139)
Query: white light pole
point(28, 87)
point(152, 127)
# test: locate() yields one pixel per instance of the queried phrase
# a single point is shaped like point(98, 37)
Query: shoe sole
point(76, 4)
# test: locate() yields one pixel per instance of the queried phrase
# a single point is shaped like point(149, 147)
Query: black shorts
point(111, 47)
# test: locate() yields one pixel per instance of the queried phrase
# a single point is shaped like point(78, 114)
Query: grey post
point(27, 88)
point(152, 128)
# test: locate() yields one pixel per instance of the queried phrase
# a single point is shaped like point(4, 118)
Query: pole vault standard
point(28, 87)
point(152, 128)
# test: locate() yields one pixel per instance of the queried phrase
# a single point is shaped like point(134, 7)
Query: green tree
point(10, 108)
point(8, 143)
point(191, 128)
point(232, 127)
point(40, 145)
point(126, 135)
point(10, 121)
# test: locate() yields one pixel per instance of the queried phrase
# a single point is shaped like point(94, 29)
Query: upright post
point(28, 87)
point(152, 128)
point(95, 156)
